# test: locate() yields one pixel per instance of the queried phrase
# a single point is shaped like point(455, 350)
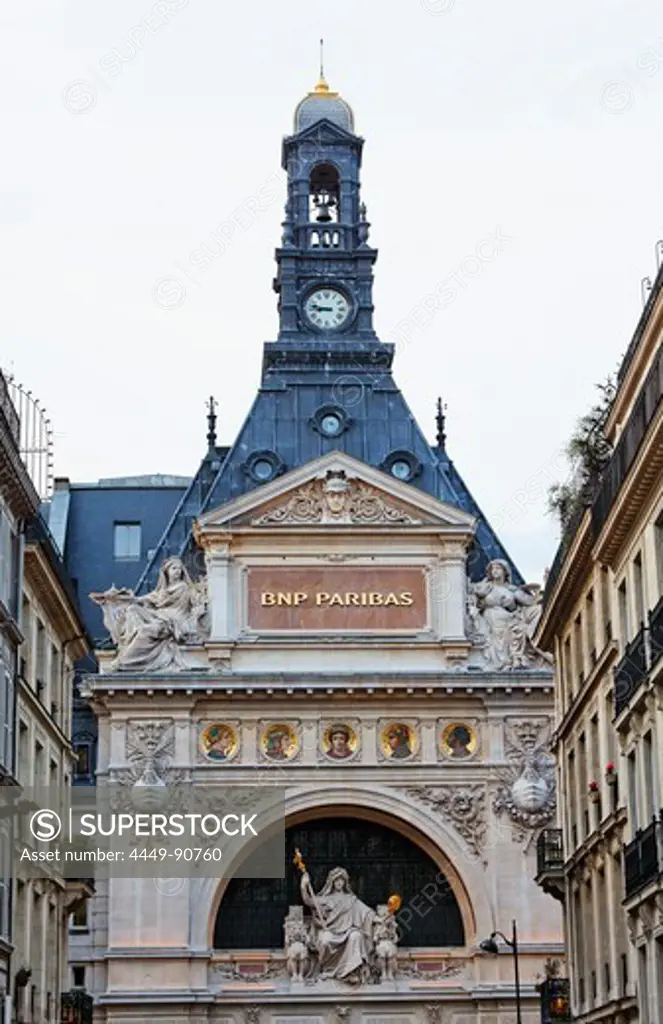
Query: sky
point(135, 132)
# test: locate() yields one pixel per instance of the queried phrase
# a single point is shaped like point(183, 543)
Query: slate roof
point(380, 422)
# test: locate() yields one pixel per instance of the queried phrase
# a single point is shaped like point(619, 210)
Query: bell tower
point(325, 264)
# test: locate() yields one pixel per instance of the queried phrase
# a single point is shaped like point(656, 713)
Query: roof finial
point(441, 422)
point(322, 89)
point(211, 422)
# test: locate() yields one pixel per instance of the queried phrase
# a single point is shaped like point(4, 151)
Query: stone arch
point(388, 807)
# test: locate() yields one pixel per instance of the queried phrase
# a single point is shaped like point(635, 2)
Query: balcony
point(641, 655)
point(550, 863)
point(628, 445)
point(656, 633)
point(642, 862)
point(630, 671)
point(76, 1007)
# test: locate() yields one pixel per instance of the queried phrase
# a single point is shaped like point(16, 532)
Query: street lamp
point(490, 946)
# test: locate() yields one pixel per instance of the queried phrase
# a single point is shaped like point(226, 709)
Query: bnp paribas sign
point(337, 598)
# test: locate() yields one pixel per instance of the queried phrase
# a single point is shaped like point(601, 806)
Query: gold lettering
point(390, 599)
point(300, 598)
point(284, 599)
point(321, 598)
point(375, 599)
point(336, 599)
point(407, 599)
point(267, 600)
point(352, 599)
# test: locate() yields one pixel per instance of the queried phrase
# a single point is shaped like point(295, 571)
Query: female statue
point(342, 928)
point(149, 629)
point(505, 617)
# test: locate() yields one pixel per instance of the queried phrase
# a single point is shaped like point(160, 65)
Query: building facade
point(328, 607)
point(603, 619)
point(18, 503)
point(54, 639)
point(42, 634)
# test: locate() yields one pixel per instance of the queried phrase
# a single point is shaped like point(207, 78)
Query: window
point(83, 759)
point(658, 541)
point(78, 919)
point(624, 622)
point(126, 541)
point(649, 796)
point(78, 977)
point(579, 652)
point(605, 605)
point(643, 983)
point(591, 629)
point(632, 791)
point(638, 591)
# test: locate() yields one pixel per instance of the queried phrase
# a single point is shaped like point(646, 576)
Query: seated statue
point(503, 618)
point(341, 929)
point(149, 630)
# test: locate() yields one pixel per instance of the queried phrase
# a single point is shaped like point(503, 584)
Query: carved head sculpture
point(338, 880)
point(336, 490)
point(172, 571)
point(498, 571)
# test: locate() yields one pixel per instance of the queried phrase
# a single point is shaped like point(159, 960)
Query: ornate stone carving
point(447, 968)
point(336, 499)
point(527, 786)
point(297, 939)
point(502, 618)
point(252, 1014)
point(385, 941)
point(463, 806)
point(150, 746)
point(151, 630)
point(235, 970)
point(347, 940)
point(434, 1013)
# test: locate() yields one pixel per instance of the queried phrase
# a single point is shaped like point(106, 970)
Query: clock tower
point(325, 264)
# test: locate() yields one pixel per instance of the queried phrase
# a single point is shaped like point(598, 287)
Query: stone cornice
point(573, 574)
point(41, 579)
point(633, 495)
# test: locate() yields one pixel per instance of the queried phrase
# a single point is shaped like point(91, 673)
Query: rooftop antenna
point(211, 422)
point(322, 58)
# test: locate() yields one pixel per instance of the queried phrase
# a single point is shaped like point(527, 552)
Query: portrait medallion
point(339, 742)
point(398, 741)
point(279, 741)
point(458, 741)
point(219, 742)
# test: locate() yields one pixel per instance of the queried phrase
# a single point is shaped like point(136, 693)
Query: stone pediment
point(336, 489)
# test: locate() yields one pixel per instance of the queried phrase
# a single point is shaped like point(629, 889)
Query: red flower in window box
point(593, 786)
point(610, 773)
point(610, 767)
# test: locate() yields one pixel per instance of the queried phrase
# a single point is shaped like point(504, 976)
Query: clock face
point(327, 309)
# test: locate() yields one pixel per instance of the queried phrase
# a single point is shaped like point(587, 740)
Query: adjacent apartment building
point(42, 635)
point(603, 620)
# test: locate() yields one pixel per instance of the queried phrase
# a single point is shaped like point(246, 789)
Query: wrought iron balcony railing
point(549, 850)
point(641, 655)
point(628, 445)
point(642, 861)
point(630, 671)
point(76, 1007)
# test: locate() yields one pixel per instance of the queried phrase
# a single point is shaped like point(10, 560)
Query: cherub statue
point(296, 944)
point(385, 939)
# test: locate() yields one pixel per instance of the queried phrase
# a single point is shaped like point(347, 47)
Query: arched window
point(380, 862)
point(324, 195)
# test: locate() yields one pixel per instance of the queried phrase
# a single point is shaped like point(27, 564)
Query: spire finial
point(441, 422)
point(211, 422)
point(322, 89)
